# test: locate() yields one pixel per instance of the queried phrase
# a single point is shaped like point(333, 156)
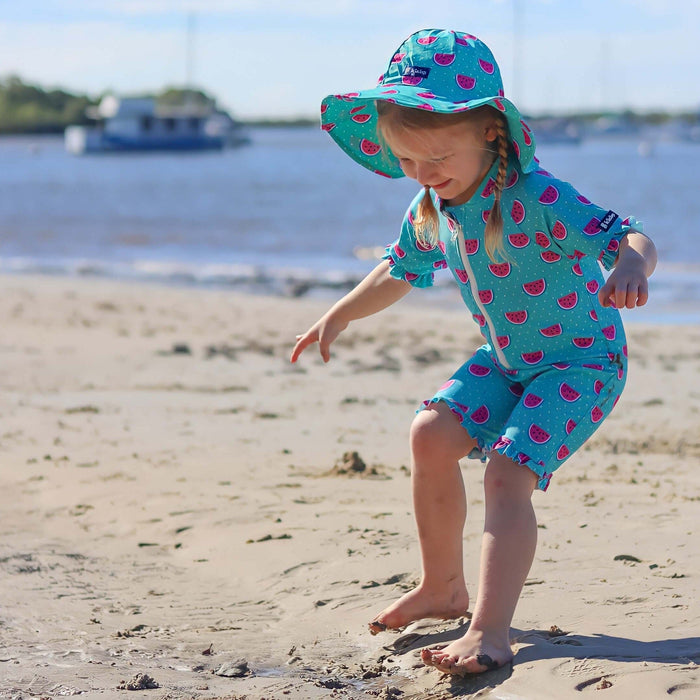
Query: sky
point(279, 58)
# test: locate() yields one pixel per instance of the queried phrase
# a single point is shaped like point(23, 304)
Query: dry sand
point(170, 507)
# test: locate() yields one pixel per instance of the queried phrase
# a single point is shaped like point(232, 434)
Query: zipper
point(475, 294)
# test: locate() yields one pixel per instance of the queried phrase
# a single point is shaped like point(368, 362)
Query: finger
point(324, 347)
point(303, 342)
point(620, 297)
point(632, 296)
point(643, 295)
point(604, 294)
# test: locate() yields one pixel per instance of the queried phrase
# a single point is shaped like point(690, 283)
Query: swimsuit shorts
point(536, 417)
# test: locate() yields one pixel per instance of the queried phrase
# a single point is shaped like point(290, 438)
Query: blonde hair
point(426, 221)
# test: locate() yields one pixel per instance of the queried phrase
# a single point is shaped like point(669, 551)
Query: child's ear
point(490, 132)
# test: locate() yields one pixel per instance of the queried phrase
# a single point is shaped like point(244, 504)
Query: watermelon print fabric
point(554, 360)
point(433, 69)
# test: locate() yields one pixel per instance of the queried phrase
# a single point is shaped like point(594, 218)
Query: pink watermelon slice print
point(485, 296)
point(466, 82)
point(479, 370)
point(489, 189)
point(411, 80)
point(499, 269)
point(518, 240)
point(534, 289)
point(516, 317)
point(399, 251)
point(550, 195)
point(532, 358)
point(596, 414)
point(426, 40)
point(512, 179)
point(568, 301)
point(549, 256)
point(592, 286)
point(464, 39)
point(328, 127)
point(398, 57)
point(471, 245)
point(532, 400)
point(551, 331)
point(481, 415)
point(583, 342)
point(583, 200)
point(609, 332)
point(559, 231)
point(518, 212)
point(480, 319)
point(486, 66)
point(369, 148)
point(570, 425)
point(576, 269)
point(444, 59)
point(538, 435)
point(568, 393)
point(592, 227)
point(516, 389)
point(542, 239)
point(462, 276)
point(361, 118)
point(598, 386)
point(562, 452)
point(503, 341)
point(527, 139)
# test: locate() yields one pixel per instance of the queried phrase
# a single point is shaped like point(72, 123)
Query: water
point(292, 213)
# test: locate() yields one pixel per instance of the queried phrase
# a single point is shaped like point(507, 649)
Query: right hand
point(323, 332)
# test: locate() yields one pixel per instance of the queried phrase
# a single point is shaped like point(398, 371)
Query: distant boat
point(140, 124)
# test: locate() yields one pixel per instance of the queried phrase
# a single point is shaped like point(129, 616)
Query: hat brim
point(351, 120)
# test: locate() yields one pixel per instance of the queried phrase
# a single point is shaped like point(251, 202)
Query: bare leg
point(438, 441)
point(508, 548)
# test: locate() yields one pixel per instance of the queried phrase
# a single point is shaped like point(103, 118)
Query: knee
point(504, 478)
point(437, 435)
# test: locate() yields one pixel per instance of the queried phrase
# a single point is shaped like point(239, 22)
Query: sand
point(181, 507)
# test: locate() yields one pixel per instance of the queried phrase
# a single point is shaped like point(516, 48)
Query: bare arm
point(376, 291)
point(627, 285)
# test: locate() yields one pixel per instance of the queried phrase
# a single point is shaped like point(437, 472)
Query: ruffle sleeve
point(581, 227)
point(410, 260)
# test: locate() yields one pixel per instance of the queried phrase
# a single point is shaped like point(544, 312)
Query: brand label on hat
point(416, 71)
point(607, 221)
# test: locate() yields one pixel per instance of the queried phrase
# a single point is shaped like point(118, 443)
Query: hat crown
point(451, 65)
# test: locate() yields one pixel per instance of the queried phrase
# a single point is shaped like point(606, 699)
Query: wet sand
point(180, 502)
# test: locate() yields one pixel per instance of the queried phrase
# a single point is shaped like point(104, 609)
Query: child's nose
point(425, 174)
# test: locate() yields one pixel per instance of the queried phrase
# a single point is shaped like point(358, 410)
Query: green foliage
point(31, 109)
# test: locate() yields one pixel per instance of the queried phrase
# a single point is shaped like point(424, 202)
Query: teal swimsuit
point(554, 362)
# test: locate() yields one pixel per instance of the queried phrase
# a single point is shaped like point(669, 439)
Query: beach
point(181, 504)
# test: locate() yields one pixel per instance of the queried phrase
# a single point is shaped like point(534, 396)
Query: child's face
point(452, 159)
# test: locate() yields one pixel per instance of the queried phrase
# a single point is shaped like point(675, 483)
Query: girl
point(524, 249)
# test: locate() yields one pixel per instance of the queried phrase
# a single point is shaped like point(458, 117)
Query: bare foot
point(444, 604)
point(475, 652)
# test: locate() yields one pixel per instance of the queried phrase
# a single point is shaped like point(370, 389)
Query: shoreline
point(674, 289)
point(173, 503)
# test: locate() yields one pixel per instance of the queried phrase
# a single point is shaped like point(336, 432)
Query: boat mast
point(189, 66)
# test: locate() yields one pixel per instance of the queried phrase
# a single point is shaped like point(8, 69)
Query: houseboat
point(141, 124)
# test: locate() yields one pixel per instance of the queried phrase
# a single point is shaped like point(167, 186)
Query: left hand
point(627, 286)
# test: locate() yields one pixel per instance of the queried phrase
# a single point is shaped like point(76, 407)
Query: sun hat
point(434, 69)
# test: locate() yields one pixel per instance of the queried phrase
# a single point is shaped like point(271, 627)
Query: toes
point(433, 656)
point(375, 627)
